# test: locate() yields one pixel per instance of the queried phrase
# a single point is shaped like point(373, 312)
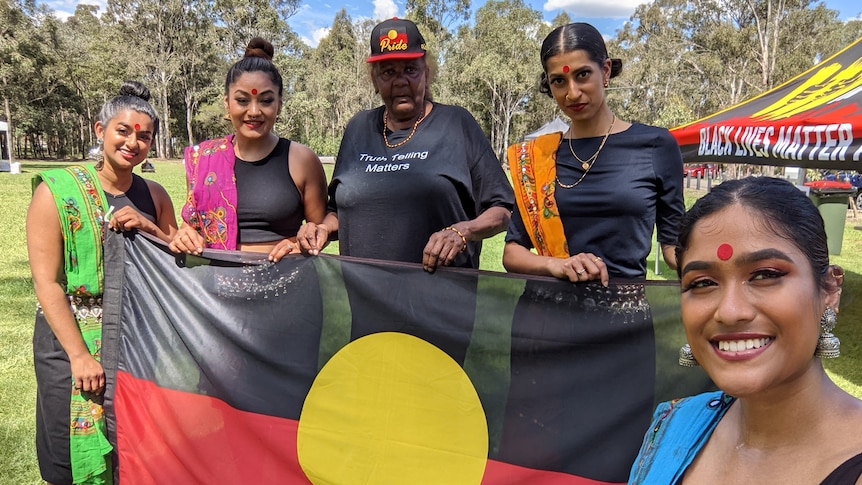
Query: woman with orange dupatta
point(587, 203)
point(588, 199)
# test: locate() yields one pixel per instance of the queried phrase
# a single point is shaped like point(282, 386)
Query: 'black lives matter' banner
point(230, 369)
point(813, 121)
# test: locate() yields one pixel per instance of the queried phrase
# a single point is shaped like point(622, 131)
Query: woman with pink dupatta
point(251, 190)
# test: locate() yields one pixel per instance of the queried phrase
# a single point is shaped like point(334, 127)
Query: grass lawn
point(17, 422)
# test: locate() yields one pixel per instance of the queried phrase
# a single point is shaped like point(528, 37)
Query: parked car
point(701, 170)
point(853, 178)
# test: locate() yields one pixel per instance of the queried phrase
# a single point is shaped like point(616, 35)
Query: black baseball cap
point(396, 39)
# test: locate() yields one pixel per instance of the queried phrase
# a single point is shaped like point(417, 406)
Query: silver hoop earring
point(686, 358)
point(828, 345)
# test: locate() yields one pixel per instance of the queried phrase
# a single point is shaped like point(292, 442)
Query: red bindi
point(137, 126)
point(724, 252)
point(565, 68)
point(254, 91)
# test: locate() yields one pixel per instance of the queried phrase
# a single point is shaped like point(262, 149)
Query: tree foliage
point(696, 57)
point(493, 66)
point(682, 60)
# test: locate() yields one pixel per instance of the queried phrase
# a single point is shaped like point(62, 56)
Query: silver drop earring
point(686, 358)
point(828, 345)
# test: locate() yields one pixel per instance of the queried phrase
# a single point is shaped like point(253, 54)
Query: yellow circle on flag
point(390, 408)
point(392, 34)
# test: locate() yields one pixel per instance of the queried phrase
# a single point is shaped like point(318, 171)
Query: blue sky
point(313, 19)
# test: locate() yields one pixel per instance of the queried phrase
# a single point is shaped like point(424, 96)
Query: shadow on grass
point(36, 167)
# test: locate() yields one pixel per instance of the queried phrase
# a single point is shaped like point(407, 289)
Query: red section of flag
point(500, 473)
point(167, 436)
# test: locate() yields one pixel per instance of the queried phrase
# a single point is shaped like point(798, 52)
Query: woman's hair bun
point(136, 89)
point(258, 47)
point(616, 67)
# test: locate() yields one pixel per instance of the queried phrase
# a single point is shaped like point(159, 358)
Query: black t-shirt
point(138, 197)
point(633, 186)
point(268, 206)
point(390, 200)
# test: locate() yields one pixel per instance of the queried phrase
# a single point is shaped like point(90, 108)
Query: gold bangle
point(463, 239)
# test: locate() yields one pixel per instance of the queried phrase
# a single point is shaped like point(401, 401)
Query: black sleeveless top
point(138, 197)
point(847, 473)
point(268, 206)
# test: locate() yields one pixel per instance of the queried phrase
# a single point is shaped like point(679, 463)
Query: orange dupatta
point(533, 167)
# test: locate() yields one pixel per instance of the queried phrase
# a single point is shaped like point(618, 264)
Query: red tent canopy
point(813, 121)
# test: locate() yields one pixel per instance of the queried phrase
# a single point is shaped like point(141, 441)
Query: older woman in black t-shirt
point(414, 181)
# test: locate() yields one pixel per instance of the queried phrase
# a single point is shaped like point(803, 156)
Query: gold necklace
point(412, 132)
point(588, 163)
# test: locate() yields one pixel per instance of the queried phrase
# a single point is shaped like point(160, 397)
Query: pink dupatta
point(211, 202)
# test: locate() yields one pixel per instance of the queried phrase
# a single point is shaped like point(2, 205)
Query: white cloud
point(385, 9)
point(63, 9)
point(318, 34)
point(64, 16)
point(594, 8)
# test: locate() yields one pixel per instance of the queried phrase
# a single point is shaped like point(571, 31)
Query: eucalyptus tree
point(438, 17)
point(21, 53)
point(241, 20)
point(492, 67)
point(52, 96)
point(658, 62)
point(290, 60)
point(848, 32)
point(201, 65)
point(92, 70)
point(336, 83)
point(154, 35)
point(780, 37)
point(705, 55)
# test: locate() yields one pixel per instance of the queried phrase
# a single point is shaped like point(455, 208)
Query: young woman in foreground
point(759, 300)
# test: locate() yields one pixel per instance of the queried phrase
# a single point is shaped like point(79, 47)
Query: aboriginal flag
point(327, 370)
point(393, 37)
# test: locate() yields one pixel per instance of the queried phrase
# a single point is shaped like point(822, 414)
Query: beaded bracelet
point(463, 239)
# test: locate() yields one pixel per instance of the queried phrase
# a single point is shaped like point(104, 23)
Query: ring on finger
point(579, 272)
point(597, 259)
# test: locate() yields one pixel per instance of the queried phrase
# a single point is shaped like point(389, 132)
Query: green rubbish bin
point(832, 199)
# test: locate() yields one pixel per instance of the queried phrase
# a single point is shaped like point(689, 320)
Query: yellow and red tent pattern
point(813, 121)
point(325, 370)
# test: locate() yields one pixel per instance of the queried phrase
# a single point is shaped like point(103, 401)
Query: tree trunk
point(189, 113)
point(82, 137)
point(166, 124)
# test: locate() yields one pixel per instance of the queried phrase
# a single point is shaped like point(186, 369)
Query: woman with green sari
point(69, 212)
